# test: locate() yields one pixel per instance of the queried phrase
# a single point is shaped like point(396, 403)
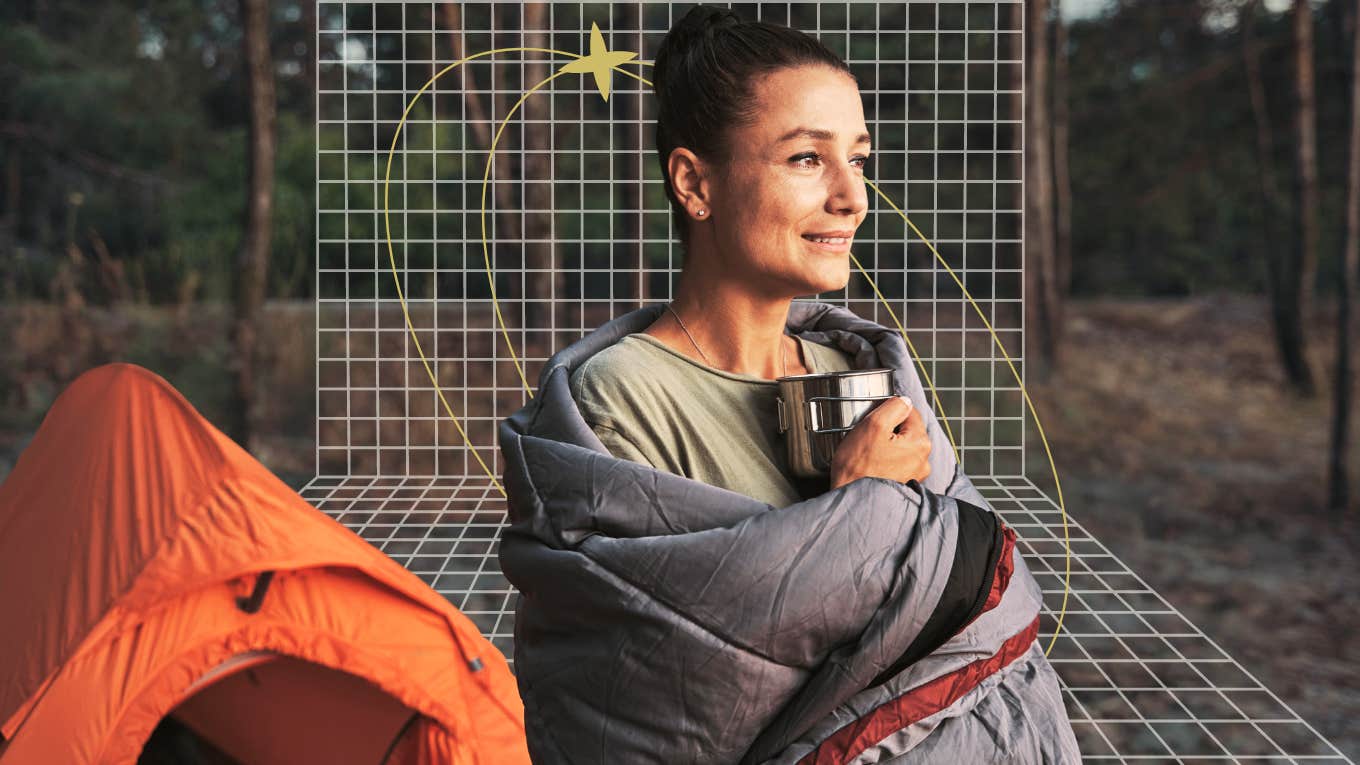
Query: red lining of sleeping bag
point(1005, 566)
point(849, 742)
point(923, 701)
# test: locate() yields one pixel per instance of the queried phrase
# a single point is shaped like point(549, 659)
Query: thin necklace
point(783, 361)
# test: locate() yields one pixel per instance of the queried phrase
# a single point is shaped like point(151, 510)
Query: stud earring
point(701, 213)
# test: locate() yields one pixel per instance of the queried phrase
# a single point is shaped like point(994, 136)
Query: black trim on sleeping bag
point(976, 554)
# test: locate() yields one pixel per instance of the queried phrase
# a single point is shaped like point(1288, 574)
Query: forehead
point(820, 99)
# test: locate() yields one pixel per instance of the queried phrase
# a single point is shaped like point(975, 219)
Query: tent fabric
point(662, 619)
point(131, 533)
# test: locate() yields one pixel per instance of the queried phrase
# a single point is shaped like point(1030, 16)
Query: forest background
point(1190, 239)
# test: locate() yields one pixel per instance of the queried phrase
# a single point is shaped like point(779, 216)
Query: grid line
point(1140, 682)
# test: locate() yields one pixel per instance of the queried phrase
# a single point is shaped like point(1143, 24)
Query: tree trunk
point(542, 282)
point(1014, 109)
point(1062, 177)
point(1015, 103)
point(1301, 277)
point(253, 266)
point(9, 228)
point(1338, 482)
point(506, 243)
point(1272, 206)
point(1040, 276)
point(502, 174)
point(309, 63)
point(472, 102)
point(628, 176)
point(13, 185)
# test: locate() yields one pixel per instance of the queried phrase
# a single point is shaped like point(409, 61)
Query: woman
point(762, 143)
point(683, 597)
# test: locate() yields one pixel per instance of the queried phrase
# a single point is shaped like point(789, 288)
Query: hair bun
point(690, 39)
point(706, 20)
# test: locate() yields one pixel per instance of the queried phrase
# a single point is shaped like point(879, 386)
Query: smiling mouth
point(831, 244)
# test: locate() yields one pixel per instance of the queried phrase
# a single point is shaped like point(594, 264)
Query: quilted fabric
point(666, 620)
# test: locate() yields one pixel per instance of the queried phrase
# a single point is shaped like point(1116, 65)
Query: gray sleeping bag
point(665, 620)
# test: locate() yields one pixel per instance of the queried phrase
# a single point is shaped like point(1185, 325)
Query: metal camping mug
point(817, 410)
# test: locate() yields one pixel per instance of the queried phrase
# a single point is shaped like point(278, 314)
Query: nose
point(846, 192)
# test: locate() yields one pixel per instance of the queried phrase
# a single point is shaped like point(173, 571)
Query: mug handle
point(813, 417)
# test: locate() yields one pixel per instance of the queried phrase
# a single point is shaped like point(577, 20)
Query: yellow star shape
point(601, 61)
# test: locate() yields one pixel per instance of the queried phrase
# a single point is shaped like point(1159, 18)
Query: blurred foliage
point(1164, 169)
point(122, 136)
point(123, 127)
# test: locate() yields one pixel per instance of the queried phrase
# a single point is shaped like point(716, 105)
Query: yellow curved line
point(392, 258)
point(486, 256)
point(939, 408)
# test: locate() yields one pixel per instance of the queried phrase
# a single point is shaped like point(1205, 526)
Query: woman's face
point(796, 172)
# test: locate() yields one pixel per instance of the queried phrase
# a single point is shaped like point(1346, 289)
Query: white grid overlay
point(582, 234)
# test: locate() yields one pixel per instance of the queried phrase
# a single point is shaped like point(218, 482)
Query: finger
point(892, 411)
point(893, 404)
point(914, 423)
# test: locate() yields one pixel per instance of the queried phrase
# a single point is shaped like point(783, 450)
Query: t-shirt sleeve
point(619, 445)
point(593, 399)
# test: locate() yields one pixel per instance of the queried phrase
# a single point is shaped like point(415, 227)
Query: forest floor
point(1179, 448)
point(1177, 444)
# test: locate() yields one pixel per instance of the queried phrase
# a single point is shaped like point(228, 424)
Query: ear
point(691, 179)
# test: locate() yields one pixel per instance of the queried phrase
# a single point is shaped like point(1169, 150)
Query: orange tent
point(149, 567)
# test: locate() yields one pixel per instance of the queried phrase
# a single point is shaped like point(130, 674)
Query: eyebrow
point(823, 135)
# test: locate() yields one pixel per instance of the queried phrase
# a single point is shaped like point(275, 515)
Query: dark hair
point(704, 77)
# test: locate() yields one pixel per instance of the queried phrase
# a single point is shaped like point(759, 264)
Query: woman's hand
point(889, 442)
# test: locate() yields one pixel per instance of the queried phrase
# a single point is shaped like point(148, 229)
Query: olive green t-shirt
point(652, 404)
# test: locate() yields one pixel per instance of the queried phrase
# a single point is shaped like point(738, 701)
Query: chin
point(832, 282)
point(823, 287)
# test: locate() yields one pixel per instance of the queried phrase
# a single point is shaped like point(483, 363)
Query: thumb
point(895, 409)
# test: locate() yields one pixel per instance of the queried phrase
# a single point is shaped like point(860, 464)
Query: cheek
point(787, 208)
point(769, 217)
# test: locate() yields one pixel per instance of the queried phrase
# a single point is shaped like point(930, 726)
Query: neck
point(739, 331)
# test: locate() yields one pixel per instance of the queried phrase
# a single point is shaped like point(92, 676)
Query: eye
point(864, 161)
